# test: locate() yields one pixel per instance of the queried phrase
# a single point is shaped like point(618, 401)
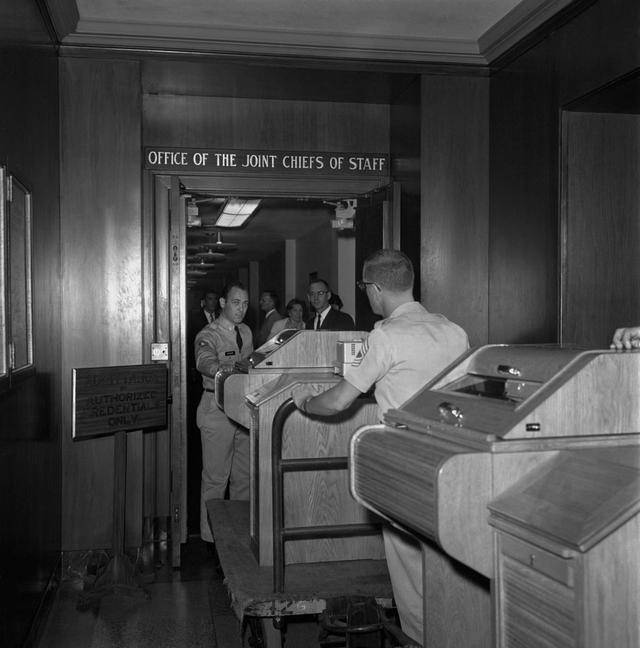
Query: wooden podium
point(307, 359)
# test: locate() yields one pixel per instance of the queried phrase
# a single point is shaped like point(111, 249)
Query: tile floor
point(184, 608)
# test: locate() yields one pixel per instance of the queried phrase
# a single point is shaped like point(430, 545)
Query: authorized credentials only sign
point(279, 162)
point(107, 400)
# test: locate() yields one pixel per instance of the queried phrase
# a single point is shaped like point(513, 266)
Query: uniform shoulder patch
point(361, 353)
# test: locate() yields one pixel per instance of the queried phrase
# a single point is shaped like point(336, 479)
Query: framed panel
point(4, 364)
point(20, 312)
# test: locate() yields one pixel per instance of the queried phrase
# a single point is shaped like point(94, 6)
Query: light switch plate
point(160, 351)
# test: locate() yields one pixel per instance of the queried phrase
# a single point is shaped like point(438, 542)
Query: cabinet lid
point(574, 500)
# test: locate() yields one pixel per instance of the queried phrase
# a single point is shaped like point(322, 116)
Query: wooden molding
point(64, 16)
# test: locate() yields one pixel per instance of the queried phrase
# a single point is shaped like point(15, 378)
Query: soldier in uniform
point(402, 353)
point(225, 445)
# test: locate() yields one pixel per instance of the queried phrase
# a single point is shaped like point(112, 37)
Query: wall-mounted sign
point(265, 162)
point(107, 400)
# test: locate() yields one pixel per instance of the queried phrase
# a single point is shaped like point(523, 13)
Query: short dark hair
point(322, 281)
point(209, 291)
point(335, 300)
point(274, 297)
point(292, 302)
point(234, 284)
point(390, 269)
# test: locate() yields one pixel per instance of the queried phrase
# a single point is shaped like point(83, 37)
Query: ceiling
point(213, 254)
point(406, 31)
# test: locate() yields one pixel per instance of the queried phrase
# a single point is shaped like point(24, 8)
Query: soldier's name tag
point(229, 353)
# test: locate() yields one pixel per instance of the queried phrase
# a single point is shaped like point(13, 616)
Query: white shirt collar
point(323, 313)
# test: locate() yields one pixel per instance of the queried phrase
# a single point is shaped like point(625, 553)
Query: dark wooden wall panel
point(405, 154)
point(602, 270)
point(30, 465)
point(527, 95)
point(368, 235)
point(101, 278)
point(596, 47)
point(224, 122)
point(455, 200)
point(523, 246)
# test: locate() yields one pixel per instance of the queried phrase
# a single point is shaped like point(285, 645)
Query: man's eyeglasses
point(319, 293)
point(363, 285)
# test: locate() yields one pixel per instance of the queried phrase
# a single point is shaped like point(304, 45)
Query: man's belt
point(211, 391)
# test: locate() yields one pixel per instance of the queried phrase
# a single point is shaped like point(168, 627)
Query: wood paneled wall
point(405, 155)
point(601, 211)
point(455, 201)
point(102, 313)
point(224, 122)
point(527, 95)
point(30, 465)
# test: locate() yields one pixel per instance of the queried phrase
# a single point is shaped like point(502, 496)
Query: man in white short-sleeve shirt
point(403, 352)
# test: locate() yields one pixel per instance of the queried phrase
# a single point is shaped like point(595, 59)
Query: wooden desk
point(315, 498)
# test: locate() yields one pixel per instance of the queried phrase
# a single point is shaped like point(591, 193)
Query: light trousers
point(225, 458)
point(404, 560)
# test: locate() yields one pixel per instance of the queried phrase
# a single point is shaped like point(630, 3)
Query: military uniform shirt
point(216, 347)
point(405, 351)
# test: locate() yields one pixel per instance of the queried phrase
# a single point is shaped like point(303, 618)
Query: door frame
point(165, 300)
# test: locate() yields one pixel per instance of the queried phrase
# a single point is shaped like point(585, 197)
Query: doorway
point(294, 236)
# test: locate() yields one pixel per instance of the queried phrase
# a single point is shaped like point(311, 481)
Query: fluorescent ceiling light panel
point(236, 211)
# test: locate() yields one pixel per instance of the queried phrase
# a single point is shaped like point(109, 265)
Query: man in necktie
point(209, 308)
point(225, 445)
point(325, 317)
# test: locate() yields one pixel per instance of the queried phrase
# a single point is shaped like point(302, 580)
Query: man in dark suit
point(207, 313)
point(325, 318)
point(269, 304)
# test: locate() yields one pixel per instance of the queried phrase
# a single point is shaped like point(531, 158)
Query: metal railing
point(279, 467)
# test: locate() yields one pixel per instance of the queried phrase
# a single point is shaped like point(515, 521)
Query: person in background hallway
point(209, 310)
point(404, 351)
point(626, 338)
point(296, 316)
point(324, 317)
point(225, 445)
point(269, 304)
point(335, 302)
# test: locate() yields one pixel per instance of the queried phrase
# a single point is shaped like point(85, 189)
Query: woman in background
point(296, 317)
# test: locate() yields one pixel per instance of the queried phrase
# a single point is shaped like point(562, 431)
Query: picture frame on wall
point(4, 362)
point(16, 305)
